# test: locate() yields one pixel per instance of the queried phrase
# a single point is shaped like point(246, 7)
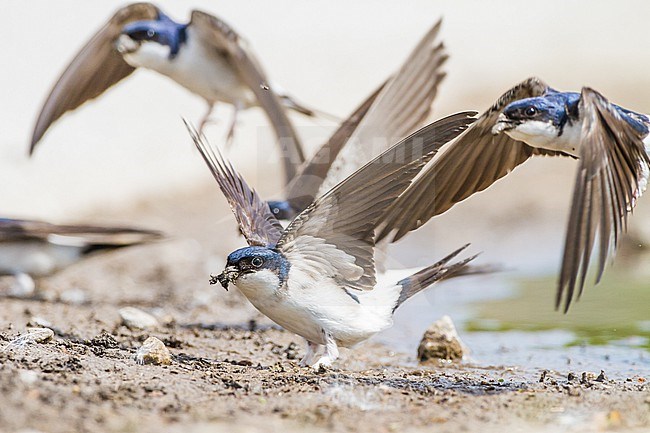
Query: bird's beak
point(503, 124)
point(229, 275)
point(126, 45)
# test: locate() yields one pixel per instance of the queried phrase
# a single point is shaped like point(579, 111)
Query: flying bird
point(396, 108)
point(206, 56)
point(36, 248)
point(533, 119)
point(317, 277)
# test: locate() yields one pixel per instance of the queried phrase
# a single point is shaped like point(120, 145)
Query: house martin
point(36, 248)
point(534, 119)
point(398, 107)
point(317, 277)
point(206, 56)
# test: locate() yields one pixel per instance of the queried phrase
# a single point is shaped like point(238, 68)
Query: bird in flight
point(396, 108)
point(206, 56)
point(36, 248)
point(317, 277)
point(531, 119)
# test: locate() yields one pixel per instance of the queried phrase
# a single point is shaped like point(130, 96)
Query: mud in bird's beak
point(503, 124)
point(229, 275)
point(125, 45)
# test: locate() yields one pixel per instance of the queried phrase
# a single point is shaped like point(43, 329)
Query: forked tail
point(439, 271)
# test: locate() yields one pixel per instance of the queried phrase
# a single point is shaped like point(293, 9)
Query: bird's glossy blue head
point(540, 120)
point(555, 108)
point(253, 259)
point(282, 210)
point(163, 31)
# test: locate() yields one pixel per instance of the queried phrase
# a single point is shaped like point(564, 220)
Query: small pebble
point(134, 318)
point(153, 351)
point(33, 335)
point(28, 377)
point(39, 321)
point(74, 296)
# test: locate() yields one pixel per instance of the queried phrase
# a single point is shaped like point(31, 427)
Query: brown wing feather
point(303, 188)
point(401, 108)
point(609, 180)
point(347, 215)
point(22, 230)
point(258, 225)
point(225, 40)
point(472, 163)
point(94, 69)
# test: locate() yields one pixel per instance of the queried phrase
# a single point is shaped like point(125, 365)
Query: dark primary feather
point(438, 271)
point(258, 225)
point(347, 215)
point(471, 164)
point(606, 189)
point(219, 35)
point(94, 69)
point(395, 109)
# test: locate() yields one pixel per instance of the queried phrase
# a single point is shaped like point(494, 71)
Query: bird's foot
point(23, 286)
point(323, 363)
point(310, 355)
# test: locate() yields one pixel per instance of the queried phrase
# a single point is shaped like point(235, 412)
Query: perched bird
point(206, 56)
point(533, 119)
point(35, 248)
point(316, 277)
point(398, 107)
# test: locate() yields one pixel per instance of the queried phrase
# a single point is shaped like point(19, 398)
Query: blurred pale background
point(131, 144)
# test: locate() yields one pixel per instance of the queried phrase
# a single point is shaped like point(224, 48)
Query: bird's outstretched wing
point(612, 175)
point(79, 235)
point(94, 69)
point(401, 107)
point(222, 38)
point(334, 236)
point(303, 188)
point(256, 222)
point(472, 163)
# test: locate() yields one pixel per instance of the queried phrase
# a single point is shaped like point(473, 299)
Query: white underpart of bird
point(196, 69)
point(306, 312)
point(36, 258)
point(544, 135)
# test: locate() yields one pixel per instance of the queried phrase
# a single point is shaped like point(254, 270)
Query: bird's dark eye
point(257, 262)
point(151, 33)
point(530, 111)
point(276, 211)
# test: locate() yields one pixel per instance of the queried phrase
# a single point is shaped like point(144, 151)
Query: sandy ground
point(234, 371)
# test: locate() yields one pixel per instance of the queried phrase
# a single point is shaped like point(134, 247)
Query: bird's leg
point(331, 352)
point(233, 124)
point(206, 118)
point(312, 352)
point(23, 287)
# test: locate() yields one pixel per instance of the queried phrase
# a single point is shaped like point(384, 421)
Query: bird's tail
point(439, 271)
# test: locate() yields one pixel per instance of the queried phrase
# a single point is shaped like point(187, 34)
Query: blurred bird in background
point(36, 249)
point(398, 107)
point(534, 119)
point(206, 56)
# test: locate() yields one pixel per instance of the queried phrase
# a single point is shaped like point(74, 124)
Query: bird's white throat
point(544, 135)
point(147, 54)
point(258, 285)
